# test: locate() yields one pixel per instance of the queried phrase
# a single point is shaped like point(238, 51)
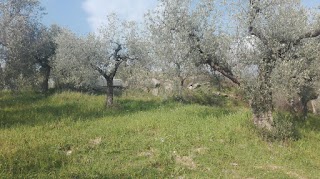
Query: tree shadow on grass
point(25, 109)
point(100, 175)
point(32, 115)
point(128, 105)
point(219, 105)
point(207, 98)
point(202, 99)
point(312, 123)
point(216, 112)
point(10, 99)
point(32, 161)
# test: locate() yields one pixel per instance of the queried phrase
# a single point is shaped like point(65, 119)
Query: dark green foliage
point(205, 96)
point(284, 128)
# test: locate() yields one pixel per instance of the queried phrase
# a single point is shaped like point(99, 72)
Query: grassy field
point(71, 135)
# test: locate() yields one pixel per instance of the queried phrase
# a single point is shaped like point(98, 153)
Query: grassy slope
point(70, 135)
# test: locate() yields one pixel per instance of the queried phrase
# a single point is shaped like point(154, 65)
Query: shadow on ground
point(24, 110)
point(216, 112)
point(312, 123)
point(19, 99)
point(26, 163)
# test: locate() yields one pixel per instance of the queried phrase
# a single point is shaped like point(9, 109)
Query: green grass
point(71, 135)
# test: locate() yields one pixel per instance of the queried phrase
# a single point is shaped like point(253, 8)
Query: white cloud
point(97, 10)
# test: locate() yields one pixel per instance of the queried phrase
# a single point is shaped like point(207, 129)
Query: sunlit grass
point(72, 135)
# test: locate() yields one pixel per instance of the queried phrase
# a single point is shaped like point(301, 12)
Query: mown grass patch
point(72, 135)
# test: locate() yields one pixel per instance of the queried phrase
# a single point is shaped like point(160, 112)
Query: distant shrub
point(201, 96)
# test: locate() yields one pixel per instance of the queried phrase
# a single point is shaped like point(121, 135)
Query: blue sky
point(84, 16)
point(67, 13)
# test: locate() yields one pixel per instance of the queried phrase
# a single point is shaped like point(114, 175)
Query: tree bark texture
point(46, 75)
point(307, 94)
point(262, 105)
point(225, 71)
point(109, 100)
point(181, 85)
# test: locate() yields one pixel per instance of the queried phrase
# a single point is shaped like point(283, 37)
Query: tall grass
point(72, 135)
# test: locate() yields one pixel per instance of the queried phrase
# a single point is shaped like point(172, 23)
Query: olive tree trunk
point(109, 98)
point(46, 75)
point(307, 94)
point(262, 105)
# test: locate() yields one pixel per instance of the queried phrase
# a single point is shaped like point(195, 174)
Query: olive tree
point(81, 60)
point(184, 36)
point(17, 22)
point(301, 78)
point(43, 51)
point(278, 32)
point(169, 27)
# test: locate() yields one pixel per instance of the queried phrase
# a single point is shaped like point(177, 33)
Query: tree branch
point(310, 34)
point(254, 12)
point(116, 51)
point(98, 69)
point(224, 71)
point(255, 32)
point(209, 60)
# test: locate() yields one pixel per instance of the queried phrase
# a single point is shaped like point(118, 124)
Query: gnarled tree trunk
point(262, 105)
point(45, 71)
point(109, 98)
point(307, 94)
point(181, 85)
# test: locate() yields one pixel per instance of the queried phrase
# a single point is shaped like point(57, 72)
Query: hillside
point(71, 135)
